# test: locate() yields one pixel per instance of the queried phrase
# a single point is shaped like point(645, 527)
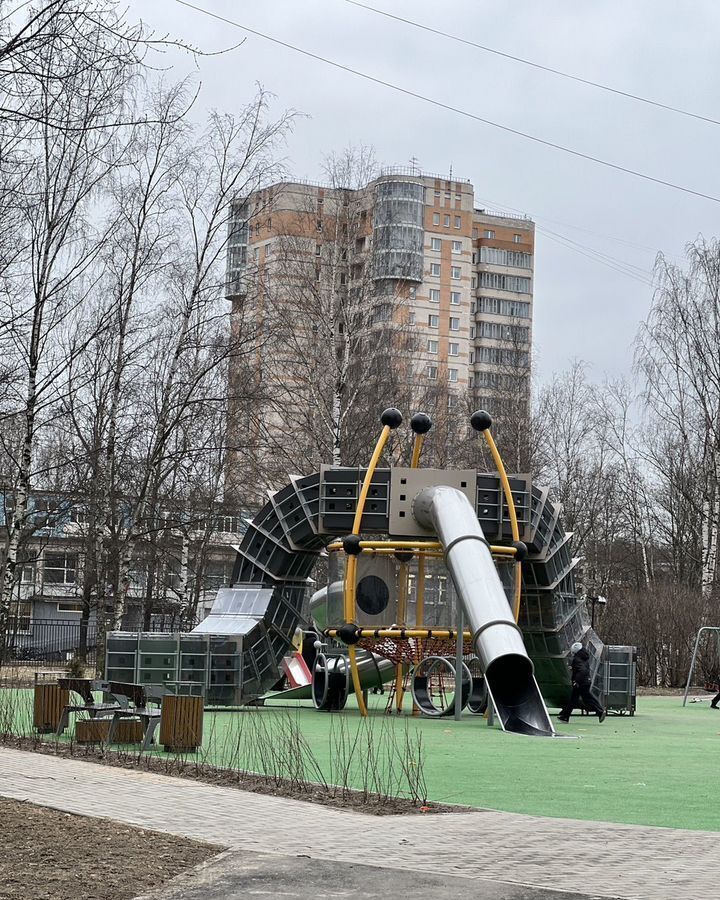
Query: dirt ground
point(51, 855)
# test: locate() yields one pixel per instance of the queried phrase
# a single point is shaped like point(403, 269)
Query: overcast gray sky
point(664, 50)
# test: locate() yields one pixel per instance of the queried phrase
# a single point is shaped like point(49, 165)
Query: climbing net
point(411, 651)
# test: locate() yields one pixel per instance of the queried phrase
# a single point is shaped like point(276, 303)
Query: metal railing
point(53, 641)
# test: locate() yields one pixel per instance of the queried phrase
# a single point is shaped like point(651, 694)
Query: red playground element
point(296, 670)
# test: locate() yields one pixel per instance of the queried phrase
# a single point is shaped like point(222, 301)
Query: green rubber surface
point(656, 768)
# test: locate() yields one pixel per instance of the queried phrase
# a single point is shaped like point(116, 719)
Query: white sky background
point(664, 50)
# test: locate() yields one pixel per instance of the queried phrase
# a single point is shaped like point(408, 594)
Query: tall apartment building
point(464, 275)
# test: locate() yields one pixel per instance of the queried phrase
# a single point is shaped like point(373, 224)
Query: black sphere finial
point(521, 551)
point(391, 417)
point(480, 420)
point(351, 544)
point(421, 423)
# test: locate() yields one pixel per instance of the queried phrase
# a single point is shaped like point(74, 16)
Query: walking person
point(580, 676)
point(714, 701)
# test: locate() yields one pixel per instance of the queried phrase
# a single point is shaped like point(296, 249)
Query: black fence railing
point(51, 641)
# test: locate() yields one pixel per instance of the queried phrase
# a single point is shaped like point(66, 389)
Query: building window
point(317, 274)
point(413, 293)
point(475, 232)
point(454, 323)
point(515, 283)
point(453, 375)
point(434, 295)
point(431, 372)
point(446, 221)
point(436, 244)
point(227, 524)
point(472, 332)
point(472, 306)
point(454, 298)
point(435, 268)
point(488, 233)
point(318, 225)
point(497, 331)
point(499, 356)
point(497, 257)
point(59, 568)
point(411, 318)
point(433, 321)
point(517, 239)
point(318, 249)
point(79, 515)
point(458, 221)
point(473, 282)
point(432, 346)
point(453, 348)
point(455, 272)
point(70, 607)
point(457, 246)
point(471, 357)
point(436, 218)
point(19, 616)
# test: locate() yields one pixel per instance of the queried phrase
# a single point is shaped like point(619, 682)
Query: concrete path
point(237, 874)
point(590, 858)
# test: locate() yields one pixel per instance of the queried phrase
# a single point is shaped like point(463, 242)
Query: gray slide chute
point(497, 639)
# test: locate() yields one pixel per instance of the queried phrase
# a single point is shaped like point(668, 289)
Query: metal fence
point(51, 641)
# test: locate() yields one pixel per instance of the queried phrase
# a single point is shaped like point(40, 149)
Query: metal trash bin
point(619, 665)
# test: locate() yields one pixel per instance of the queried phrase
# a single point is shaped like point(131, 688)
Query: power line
point(620, 266)
point(446, 106)
point(494, 205)
point(534, 65)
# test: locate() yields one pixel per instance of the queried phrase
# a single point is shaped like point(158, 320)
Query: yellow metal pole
point(420, 592)
point(440, 633)
point(401, 616)
point(351, 567)
point(417, 450)
point(419, 608)
point(372, 465)
point(511, 512)
point(417, 547)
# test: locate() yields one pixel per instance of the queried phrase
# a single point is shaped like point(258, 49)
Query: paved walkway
point(605, 860)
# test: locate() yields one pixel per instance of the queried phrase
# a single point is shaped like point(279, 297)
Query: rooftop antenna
point(414, 164)
point(450, 171)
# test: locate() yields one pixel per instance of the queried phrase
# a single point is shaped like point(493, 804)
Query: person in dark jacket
point(714, 701)
point(580, 675)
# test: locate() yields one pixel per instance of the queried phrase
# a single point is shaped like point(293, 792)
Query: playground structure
point(449, 576)
point(707, 630)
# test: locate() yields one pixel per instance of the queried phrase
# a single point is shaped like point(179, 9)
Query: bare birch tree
point(231, 157)
point(83, 87)
point(678, 356)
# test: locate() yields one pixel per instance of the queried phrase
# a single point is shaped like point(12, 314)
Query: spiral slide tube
point(497, 638)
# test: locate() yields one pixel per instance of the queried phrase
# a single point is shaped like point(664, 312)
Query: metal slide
point(497, 638)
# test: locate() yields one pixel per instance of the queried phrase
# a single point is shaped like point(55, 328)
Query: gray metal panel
point(406, 484)
point(227, 625)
